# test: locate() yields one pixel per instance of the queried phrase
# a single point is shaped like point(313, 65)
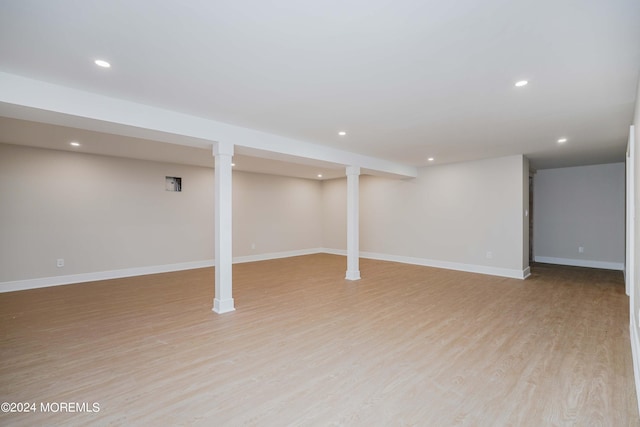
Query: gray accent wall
point(580, 207)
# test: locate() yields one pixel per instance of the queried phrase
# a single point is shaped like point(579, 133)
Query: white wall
point(334, 214)
point(276, 213)
point(98, 213)
point(635, 288)
point(449, 216)
point(580, 206)
point(105, 214)
point(525, 211)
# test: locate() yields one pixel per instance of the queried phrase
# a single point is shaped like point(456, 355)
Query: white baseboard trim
point(635, 352)
point(481, 269)
point(330, 251)
point(276, 255)
point(605, 265)
point(21, 285)
point(471, 268)
point(43, 282)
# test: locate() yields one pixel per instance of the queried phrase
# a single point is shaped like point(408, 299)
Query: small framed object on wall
point(173, 183)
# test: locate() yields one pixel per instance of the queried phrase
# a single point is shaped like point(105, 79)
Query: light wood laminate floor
point(406, 345)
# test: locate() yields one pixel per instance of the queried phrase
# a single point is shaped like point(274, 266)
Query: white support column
point(223, 301)
point(353, 223)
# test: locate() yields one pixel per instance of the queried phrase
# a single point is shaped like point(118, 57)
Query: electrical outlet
point(489, 255)
point(60, 262)
point(580, 249)
point(253, 246)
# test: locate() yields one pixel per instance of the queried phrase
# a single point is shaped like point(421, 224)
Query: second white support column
point(223, 300)
point(353, 223)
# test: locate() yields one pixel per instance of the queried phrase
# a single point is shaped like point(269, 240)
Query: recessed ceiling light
point(233, 164)
point(431, 159)
point(319, 175)
point(562, 140)
point(342, 133)
point(522, 83)
point(102, 63)
point(74, 144)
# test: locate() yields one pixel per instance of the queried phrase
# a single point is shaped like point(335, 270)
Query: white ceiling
point(42, 135)
point(407, 79)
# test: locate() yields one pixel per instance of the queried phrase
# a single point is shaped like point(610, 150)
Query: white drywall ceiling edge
point(30, 99)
